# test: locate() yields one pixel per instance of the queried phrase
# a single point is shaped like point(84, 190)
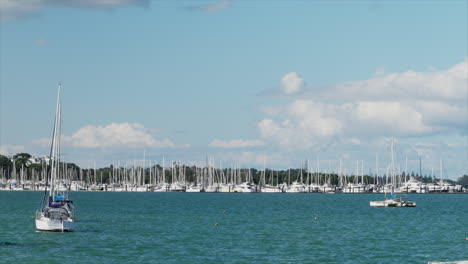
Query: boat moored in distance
point(392, 202)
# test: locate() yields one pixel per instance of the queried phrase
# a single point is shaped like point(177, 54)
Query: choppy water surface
point(237, 228)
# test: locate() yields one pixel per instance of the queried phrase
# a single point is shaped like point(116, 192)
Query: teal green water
point(252, 228)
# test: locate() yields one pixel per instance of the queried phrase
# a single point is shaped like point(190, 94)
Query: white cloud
point(12, 10)
point(447, 85)
point(115, 135)
point(394, 117)
point(291, 83)
point(305, 124)
point(235, 143)
point(9, 150)
point(442, 115)
point(408, 104)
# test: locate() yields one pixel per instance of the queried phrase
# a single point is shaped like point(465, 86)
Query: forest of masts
point(140, 173)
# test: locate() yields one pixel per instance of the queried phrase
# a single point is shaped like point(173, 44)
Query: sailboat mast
point(55, 160)
point(420, 169)
point(440, 172)
point(393, 165)
point(376, 168)
point(406, 169)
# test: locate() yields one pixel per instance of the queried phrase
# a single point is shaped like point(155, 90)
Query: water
point(237, 228)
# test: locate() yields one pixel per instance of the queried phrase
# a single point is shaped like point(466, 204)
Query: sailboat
point(57, 212)
point(393, 200)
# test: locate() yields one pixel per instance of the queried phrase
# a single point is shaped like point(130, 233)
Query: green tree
point(37, 166)
point(463, 181)
point(21, 159)
point(5, 163)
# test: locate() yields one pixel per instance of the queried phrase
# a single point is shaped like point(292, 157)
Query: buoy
point(315, 218)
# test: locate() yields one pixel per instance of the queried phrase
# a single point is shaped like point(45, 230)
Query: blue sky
point(239, 81)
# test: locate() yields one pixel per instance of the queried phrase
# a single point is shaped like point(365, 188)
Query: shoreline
point(339, 193)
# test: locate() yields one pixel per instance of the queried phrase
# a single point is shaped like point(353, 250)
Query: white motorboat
point(392, 202)
point(270, 189)
point(245, 187)
point(413, 186)
point(195, 188)
point(296, 187)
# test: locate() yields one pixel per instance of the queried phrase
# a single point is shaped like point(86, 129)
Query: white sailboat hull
point(54, 225)
point(193, 189)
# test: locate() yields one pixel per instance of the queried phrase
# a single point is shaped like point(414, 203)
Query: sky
point(239, 82)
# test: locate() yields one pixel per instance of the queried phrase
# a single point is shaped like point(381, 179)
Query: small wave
point(9, 244)
point(87, 231)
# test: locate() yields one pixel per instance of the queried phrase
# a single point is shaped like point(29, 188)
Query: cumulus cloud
point(393, 117)
point(407, 104)
point(115, 135)
point(12, 10)
point(235, 143)
point(291, 83)
point(448, 85)
point(304, 124)
point(309, 124)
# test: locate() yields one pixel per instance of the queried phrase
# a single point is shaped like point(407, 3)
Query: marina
point(148, 176)
point(79, 186)
point(225, 181)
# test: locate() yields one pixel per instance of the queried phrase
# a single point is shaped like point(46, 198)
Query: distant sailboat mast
point(376, 168)
point(420, 168)
point(393, 166)
point(406, 169)
point(440, 172)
